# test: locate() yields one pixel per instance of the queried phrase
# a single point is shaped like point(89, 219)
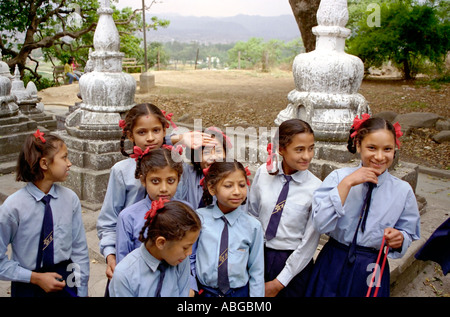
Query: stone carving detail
point(327, 79)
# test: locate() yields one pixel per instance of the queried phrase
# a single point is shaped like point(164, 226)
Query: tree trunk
point(305, 15)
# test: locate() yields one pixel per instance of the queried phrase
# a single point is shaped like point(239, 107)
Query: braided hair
point(143, 109)
point(367, 127)
point(171, 221)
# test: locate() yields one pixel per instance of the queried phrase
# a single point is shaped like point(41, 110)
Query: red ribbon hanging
point(138, 153)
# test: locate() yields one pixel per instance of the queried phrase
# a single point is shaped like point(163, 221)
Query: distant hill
point(225, 30)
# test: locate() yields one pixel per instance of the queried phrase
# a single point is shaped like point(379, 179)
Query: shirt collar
point(149, 259)
point(231, 216)
point(381, 178)
point(39, 194)
point(299, 176)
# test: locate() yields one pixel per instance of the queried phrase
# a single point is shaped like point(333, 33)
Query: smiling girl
point(229, 259)
point(289, 247)
point(357, 207)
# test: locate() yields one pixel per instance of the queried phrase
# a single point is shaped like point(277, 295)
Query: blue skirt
point(334, 276)
point(274, 263)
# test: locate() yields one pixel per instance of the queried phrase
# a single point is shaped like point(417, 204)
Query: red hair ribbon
point(156, 205)
point(270, 156)
point(227, 139)
point(179, 148)
point(39, 135)
point(398, 133)
point(248, 173)
point(358, 122)
point(122, 124)
point(169, 118)
point(138, 153)
point(205, 171)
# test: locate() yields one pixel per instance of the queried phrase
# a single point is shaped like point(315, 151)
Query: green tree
point(28, 25)
point(411, 33)
point(255, 52)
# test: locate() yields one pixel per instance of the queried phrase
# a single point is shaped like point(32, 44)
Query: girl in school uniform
point(290, 239)
point(42, 222)
point(189, 188)
point(145, 126)
point(159, 175)
point(159, 267)
point(230, 254)
point(359, 206)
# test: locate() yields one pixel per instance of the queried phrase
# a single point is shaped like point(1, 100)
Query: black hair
point(171, 222)
point(286, 132)
point(28, 168)
point(157, 159)
point(367, 127)
point(135, 113)
point(217, 171)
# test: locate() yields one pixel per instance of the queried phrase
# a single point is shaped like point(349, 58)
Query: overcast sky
point(213, 8)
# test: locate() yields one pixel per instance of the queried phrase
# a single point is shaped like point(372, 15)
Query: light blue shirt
point(189, 188)
point(245, 249)
point(123, 190)
point(21, 217)
point(393, 204)
point(137, 275)
point(295, 231)
point(129, 226)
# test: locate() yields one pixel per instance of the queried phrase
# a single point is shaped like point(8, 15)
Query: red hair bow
point(169, 118)
point(357, 123)
point(227, 139)
point(248, 173)
point(138, 153)
point(122, 124)
point(270, 156)
point(179, 148)
point(156, 205)
point(398, 133)
point(39, 135)
point(205, 171)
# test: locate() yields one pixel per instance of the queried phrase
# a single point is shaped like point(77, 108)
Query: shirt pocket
point(62, 235)
point(294, 219)
point(237, 261)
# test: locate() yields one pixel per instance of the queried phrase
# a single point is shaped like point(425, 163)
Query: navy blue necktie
point(272, 227)
point(162, 272)
point(362, 222)
point(45, 252)
point(223, 282)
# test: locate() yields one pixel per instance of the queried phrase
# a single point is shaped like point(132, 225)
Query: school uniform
point(189, 188)
point(245, 252)
point(137, 275)
point(288, 256)
point(129, 225)
point(393, 204)
point(123, 190)
point(21, 219)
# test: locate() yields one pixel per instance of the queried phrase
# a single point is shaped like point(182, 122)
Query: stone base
point(92, 161)
point(13, 131)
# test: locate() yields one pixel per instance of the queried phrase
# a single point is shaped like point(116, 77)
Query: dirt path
point(250, 98)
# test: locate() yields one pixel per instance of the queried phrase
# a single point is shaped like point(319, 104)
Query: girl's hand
point(394, 238)
point(47, 281)
point(361, 175)
point(272, 288)
point(111, 265)
point(194, 139)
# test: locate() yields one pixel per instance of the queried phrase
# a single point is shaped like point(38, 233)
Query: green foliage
point(411, 33)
